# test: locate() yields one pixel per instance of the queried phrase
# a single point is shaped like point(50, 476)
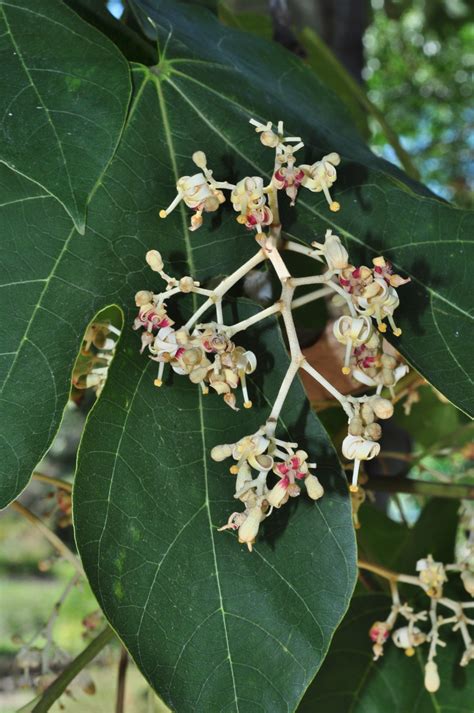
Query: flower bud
point(248, 531)
point(335, 253)
point(373, 431)
point(388, 361)
point(269, 138)
point(383, 408)
point(199, 158)
point(220, 453)
point(313, 487)
point(154, 259)
point(143, 297)
point(355, 426)
point(367, 413)
point(432, 682)
point(186, 284)
point(468, 580)
point(278, 493)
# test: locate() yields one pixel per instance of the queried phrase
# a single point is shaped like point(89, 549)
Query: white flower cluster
point(267, 456)
point(208, 356)
point(423, 626)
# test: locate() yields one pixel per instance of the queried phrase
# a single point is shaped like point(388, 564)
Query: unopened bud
point(383, 408)
point(220, 453)
point(143, 297)
point(313, 487)
point(154, 259)
point(199, 158)
point(432, 682)
point(186, 284)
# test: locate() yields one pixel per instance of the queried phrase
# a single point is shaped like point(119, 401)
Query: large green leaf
point(210, 626)
point(63, 101)
point(239, 76)
point(350, 680)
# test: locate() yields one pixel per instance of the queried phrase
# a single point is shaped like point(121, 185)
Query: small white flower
point(320, 176)
point(333, 251)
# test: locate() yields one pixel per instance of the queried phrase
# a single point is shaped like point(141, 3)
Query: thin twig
point(52, 538)
point(57, 688)
point(121, 680)
point(420, 487)
point(56, 482)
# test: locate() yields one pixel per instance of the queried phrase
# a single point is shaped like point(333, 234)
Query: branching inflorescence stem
point(206, 353)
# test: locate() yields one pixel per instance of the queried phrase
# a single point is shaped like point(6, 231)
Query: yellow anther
point(334, 206)
point(397, 332)
point(233, 469)
point(346, 370)
point(354, 488)
point(163, 213)
point(382, 327)
point(248, 404)
point(241, 219)
point(410, 651)
point(158, 382)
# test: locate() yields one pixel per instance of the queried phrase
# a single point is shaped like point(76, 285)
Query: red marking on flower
point(295, 462)
point(375, 633)
point(284, 482)
point(279, 176)
point(207, 346)
point(367, 362)
point(356, 273)
point(300, 475)
point(164, 322)
point(343, 282)
point(378, 269)
point(180, 352)
point(282, 468)
point(299, 176)
point(251, 219)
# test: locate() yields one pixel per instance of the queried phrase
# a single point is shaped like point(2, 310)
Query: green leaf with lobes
point(63, 102)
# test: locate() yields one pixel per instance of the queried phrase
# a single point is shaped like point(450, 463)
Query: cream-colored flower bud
point(467, 578)
point(356, 447)
point(388, 377)
point(432, 682)
point(143, 297)
point(356, 426)
point(383, 408)
point(277, 494)
point(186, 284)
point(221, 452)
point(367, 413)
point(154, 259)
point(388, 361)
point(335, 253)
point(313, 487)
point(269, 138)
point(248, 531)
point(200, 159)
point(373, 431)
point(198, 375)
